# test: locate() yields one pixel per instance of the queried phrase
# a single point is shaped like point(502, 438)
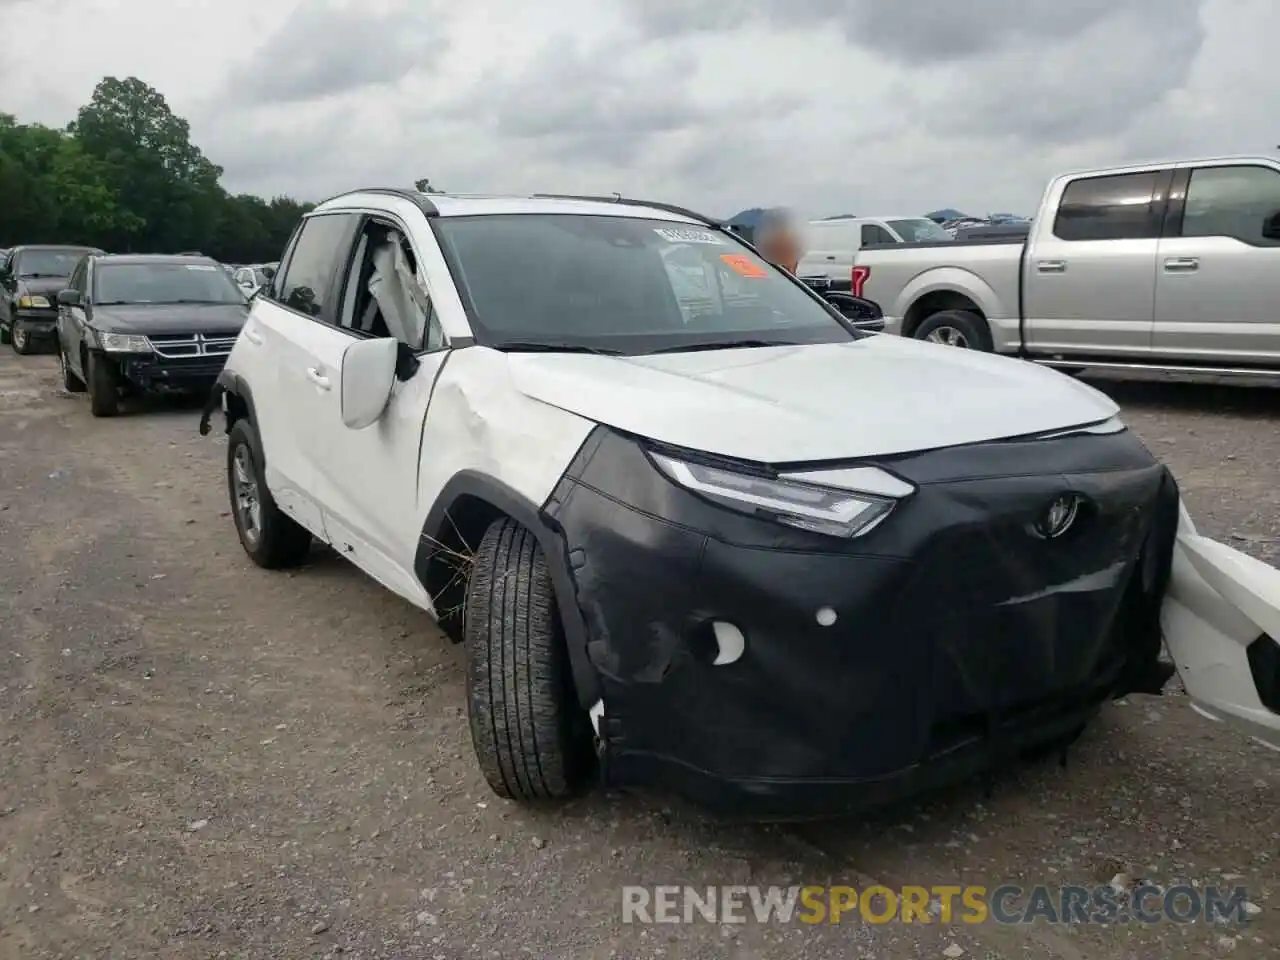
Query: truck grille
point(179, 346)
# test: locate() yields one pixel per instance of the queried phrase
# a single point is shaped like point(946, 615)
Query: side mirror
point(1271, 227)
point(368, 374)
point(68, 298)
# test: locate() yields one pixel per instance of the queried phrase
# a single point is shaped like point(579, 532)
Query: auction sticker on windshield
point(744, 266)
point(678, 235)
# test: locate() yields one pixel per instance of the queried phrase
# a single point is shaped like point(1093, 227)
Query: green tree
point(125, 176)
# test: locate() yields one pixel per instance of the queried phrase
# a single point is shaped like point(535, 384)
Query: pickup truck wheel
point(272, 539)
point(21, 338)
point(532, 740)
point(956, 328)
point(104, 386)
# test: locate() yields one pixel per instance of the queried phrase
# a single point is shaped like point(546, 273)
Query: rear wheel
point(271, 538)
point(70, 382)
point(956, 328)
point(532, 739)
point(104, 386)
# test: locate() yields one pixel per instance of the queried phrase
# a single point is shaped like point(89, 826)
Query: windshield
point(623, 284)
point(917, 231)
point(164, 282)
point(47, 263)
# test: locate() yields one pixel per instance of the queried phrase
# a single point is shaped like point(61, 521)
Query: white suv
point(707, 532)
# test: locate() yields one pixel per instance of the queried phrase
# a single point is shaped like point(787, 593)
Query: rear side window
point(319, 253)
point(1108, 208)
point(874, 233)
point(1233, 202)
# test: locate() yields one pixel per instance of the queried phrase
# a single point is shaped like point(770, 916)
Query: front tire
point(21, 338)
point(272, 539)
point(104, 386)
point(957, 328)
point(530, 736)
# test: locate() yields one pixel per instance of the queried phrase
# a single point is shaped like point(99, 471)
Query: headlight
point(123, 343)
point(33, 303)
point(806, 505)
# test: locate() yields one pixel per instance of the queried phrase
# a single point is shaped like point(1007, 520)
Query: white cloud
point(828, 105)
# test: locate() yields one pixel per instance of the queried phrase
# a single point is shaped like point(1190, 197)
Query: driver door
point(1221, 622)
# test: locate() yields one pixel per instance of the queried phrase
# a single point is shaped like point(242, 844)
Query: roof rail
point(618, 198)
point(418, 199)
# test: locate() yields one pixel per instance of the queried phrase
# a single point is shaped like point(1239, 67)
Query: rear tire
point(957, 328)
point(532, 739)
point(104, 386)
point(272, 539)
point(70, 382)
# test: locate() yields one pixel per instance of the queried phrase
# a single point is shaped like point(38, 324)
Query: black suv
point(128, 324)
point(31, 278)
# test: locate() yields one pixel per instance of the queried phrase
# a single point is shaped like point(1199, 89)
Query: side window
point(318, 254)
point(1233, 202)
point(1108, 208)
point(874, 233)
point(384, 294)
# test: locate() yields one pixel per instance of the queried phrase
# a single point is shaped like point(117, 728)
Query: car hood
point(42, 286)
point(171, 318)
point(876, 396)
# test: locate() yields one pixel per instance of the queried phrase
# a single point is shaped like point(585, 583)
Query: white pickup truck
point(1164, 270)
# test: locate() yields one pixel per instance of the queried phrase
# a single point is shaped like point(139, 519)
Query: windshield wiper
point(42, 276)
point(537, 346)
point(726, 345)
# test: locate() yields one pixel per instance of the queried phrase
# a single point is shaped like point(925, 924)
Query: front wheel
point(957, 328)
point(272, 539)
point(532, 739)
point(104, 386)
point(21, 338)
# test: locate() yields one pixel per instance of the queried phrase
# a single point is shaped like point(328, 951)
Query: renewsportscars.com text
point(942, 904)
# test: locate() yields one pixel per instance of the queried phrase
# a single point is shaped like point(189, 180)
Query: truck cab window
point(874, 233)
point(1108, 208)
point(1232, 202)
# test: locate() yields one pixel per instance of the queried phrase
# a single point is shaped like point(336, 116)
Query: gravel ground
point(202, 759)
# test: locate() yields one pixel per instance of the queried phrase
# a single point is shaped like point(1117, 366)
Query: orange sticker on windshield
point(744, 266)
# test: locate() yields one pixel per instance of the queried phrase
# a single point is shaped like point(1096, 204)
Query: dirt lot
point(202, 759)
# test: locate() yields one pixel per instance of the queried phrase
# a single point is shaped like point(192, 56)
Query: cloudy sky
point(830, 106)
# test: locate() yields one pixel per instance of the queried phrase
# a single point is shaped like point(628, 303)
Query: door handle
point(831, 258)
point(1051, 266)
point(253, 337)
point(1182, 264)
point(318, 378)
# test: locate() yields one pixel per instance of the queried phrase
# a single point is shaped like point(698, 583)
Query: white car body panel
point(1219, 601)
point(820, 402)
point(267, 356)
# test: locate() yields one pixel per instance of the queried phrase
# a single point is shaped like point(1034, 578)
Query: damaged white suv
point(699, 532)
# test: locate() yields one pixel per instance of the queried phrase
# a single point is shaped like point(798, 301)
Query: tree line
point(125, 176)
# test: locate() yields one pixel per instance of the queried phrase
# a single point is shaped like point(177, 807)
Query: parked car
point(830, 246)
point(128, 324)
point(1156, 270)
point(746, 553)
point(251, 279)
point(31, 278)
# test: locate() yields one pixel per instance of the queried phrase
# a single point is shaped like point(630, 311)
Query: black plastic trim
point(628, 201)
point(418, 199)
point(470, 484)
point(1176, 203)
point(1264, 664)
